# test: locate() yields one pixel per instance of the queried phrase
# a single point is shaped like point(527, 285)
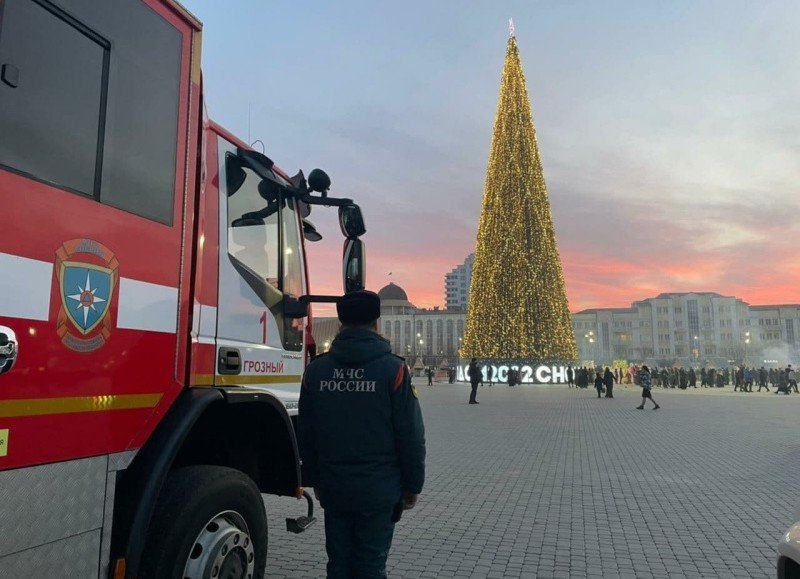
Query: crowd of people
point(743, 378)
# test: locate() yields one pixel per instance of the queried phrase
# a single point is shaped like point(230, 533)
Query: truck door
point(260, 262)
point(94, 98)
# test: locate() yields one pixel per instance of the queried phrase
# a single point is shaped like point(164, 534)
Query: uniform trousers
point(358, 543)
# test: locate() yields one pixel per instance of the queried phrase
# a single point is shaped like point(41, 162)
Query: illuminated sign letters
point(528, 373)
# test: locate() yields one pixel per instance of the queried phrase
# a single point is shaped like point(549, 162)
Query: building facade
point(430, 336)
point(698, 329)
point(456, 285)
point(689, 329)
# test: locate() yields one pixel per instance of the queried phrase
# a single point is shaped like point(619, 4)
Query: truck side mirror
point(351, 221)
point(354, 263)
point(234, 174)
point(294, 308)
point(259, 163)
point(310, 232)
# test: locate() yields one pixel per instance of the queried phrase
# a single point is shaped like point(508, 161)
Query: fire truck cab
point(154, 303)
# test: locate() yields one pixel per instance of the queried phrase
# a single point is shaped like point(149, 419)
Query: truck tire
point(209, 521)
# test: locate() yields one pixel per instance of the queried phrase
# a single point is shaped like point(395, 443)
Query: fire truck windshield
point(264, 242)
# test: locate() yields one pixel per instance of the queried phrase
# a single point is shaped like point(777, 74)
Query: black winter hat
point(358, 308)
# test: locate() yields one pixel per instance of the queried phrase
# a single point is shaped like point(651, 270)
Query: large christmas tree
point(517, 301)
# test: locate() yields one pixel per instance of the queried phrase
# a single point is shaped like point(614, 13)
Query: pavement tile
point(544, 481)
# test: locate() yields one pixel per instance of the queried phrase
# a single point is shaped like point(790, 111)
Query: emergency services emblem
point(87, 276)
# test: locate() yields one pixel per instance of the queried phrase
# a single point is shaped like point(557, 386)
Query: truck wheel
point(209, 522)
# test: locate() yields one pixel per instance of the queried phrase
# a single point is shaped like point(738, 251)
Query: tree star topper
point(511, 27)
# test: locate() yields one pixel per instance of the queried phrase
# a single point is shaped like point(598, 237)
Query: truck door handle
point(8, 349)
point(229, 361)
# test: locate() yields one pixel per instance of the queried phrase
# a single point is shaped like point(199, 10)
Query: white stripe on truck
point(25, 287)
point(147, 306)
point(25, 294)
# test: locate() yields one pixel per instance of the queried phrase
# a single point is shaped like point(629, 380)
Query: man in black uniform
point(361, 439)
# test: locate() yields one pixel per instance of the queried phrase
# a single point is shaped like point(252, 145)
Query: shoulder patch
point(398, 379)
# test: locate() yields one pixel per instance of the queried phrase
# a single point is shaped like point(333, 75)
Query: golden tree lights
point(517, 305)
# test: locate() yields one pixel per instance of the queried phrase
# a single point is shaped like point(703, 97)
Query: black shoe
point(657, 407)
point(640, 408)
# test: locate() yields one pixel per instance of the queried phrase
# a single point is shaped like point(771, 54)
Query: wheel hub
point(222, 550)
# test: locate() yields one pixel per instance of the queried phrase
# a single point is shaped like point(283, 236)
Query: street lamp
point(326, 345)
point(415, 346)
point(746, 342)
point(696, 348)
point(590, 338)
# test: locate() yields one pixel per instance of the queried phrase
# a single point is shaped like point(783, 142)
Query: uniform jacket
point(360, 430)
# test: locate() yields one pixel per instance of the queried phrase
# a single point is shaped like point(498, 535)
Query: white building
point(697, 328)
point(434, 335)
point(456, 285)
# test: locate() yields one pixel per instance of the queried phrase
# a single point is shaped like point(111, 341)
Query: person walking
point(430, 376)
point(738, 379)
point(644, 375)
point(748, 380)
point(475, 377)
point(570, 376)
point(782, 382)
point(598, 383)
point(791, 376)
point(361, 439)
point(608, 382)
point(762, 379)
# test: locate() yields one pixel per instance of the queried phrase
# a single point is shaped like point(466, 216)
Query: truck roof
point(184, 13)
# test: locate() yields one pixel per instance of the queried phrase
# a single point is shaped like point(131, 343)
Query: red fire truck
point(154, 301)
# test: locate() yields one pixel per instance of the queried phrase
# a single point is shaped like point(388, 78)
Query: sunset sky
point(669, 132)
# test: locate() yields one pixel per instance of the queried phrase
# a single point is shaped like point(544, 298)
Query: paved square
point(544, 481)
